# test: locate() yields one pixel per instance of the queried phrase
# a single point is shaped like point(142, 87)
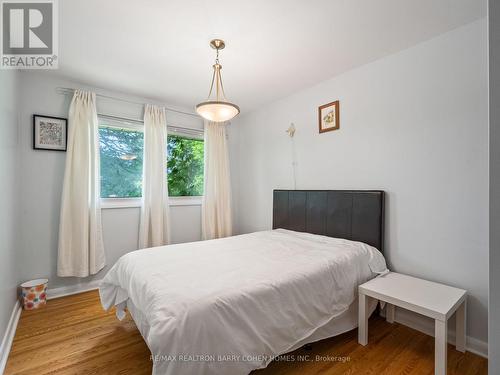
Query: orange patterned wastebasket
point(34, 293)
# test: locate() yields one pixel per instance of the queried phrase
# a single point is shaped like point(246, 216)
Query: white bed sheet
point(229, 306)
point(343, 323)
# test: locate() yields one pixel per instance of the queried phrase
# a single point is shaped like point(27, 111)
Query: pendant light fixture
point(217, 108)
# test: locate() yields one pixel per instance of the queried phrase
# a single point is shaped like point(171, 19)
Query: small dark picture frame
point(50, 133)
point(328, 117)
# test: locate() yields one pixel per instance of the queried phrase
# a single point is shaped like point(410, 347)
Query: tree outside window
point(121, 152)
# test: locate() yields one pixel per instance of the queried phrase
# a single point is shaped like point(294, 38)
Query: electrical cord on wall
point(291, 132)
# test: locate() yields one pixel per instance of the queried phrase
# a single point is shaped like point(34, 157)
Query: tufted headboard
point(356, 215)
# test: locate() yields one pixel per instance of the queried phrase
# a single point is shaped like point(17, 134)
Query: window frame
point(110, 203)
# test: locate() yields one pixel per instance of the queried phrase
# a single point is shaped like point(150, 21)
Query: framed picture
point(328, 117)
point(50, 133)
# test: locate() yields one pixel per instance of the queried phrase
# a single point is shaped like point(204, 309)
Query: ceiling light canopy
point(217, 108)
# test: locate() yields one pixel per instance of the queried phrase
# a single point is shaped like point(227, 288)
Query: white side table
point(431, 299)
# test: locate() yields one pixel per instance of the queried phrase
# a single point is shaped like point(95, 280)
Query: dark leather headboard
point(356, 215)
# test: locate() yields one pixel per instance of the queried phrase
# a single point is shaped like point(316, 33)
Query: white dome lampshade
point(217, 109)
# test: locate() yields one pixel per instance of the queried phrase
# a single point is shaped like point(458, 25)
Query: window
point(121, 152)
point(121, 162)
point(185, 166)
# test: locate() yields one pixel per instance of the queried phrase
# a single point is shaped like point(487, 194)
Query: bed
point(231, 305)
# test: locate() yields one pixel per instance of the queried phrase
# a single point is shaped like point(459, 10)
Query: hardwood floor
point(73, 335)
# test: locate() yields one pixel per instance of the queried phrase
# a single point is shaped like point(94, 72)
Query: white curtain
point(81, 251)
point(154, 229)
point(216, 210)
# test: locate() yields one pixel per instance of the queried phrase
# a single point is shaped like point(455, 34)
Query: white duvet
point(229, 306)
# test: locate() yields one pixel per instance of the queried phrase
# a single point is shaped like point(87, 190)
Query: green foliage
point(121, 178)
point(121, 164)
point(185, 166)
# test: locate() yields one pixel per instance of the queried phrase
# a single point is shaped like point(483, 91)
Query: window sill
point(120, 202)
point(185, 201)
point(107, 203)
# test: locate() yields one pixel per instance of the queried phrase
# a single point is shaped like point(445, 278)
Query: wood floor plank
point(73, 335)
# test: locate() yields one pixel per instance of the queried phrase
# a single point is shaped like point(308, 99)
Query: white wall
point(41, 179)
point(8, 194)
point(414, 124)
point(494, 301)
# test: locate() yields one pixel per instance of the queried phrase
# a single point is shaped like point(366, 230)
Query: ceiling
point(159, 49)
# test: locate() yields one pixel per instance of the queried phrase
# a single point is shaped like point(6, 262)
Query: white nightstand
point(431, 299)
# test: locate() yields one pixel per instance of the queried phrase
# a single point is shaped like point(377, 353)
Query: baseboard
point(9, 335)
point(72, 289)
point(426, 325)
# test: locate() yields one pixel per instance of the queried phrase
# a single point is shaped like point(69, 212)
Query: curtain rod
point(68, 90)
point(138, 121)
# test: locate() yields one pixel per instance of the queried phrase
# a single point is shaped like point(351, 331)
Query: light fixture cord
point(291, 134)
point(294, 163)
point(217, 78)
